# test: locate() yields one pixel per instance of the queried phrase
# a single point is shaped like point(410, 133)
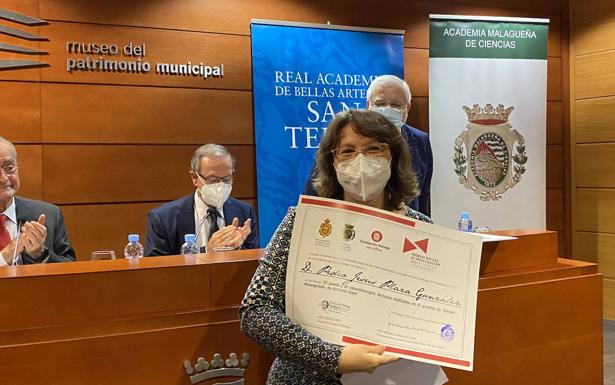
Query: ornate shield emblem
point(349, 232)
point(325, 228)
point(489, 154)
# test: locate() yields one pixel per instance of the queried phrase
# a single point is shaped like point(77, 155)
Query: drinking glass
point(101, 255)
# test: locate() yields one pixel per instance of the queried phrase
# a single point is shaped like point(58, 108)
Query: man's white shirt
point(10, 225)
point(200, 214)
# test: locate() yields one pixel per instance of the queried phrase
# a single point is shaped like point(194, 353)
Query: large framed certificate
point(357, 274)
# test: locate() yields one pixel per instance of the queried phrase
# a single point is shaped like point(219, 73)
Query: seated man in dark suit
point(216, 219)
point(390, 96)
point(30, 231)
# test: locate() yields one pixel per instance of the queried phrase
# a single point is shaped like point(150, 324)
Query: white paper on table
point(495, 238)
point(400, 372)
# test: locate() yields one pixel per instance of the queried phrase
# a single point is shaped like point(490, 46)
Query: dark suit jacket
point(422, 163)
point(167, 224)
point(59, 248)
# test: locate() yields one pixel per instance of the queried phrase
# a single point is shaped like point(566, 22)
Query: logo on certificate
point(327, 306)
point(447, 333)
point(325, 228)
point(349, 232)
point(409, 245)
point(376, 236)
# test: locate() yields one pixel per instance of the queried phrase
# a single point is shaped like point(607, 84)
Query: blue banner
point(302, 76)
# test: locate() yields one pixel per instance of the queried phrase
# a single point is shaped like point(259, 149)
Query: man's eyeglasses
point(215, 179)
point(398, 105)
point(9, 169)
point(345, 153)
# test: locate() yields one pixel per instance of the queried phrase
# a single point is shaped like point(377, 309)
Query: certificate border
point(352, 340)
point(362, 210)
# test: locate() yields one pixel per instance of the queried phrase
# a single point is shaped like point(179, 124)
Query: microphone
point(198, 231)
point(15, 255)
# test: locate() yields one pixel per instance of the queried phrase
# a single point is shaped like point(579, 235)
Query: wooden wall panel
point(160, 46)
point(530, 6)
point(30, 171)
point(555, 209)
point(593, 142)
point(416, 66)
point(26, 7)
point(596, 248)
point(228, 16)
point(20, 108)
point(595, 120)
point(554, 122)
point(594, 75)
point(113, 221)
point(419, 113)
point(128, 173)
point(32, 74)
point(609, 298)
point(596, 169)
point(594, 26)
point(109, 114)
point(554, 45)
point(596, 210)
point(30, 8)
point(554, 78)
point(555, 166)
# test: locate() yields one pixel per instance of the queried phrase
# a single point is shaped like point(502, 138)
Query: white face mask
point(393, 115)
point(215, 194)
point(363, 177)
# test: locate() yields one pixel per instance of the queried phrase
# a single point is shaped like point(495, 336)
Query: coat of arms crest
point(489, 154)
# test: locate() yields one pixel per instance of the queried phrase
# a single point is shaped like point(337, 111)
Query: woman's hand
point(363, 358)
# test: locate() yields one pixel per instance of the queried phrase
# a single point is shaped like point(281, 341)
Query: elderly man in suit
point(217, 220)
point(31, 231)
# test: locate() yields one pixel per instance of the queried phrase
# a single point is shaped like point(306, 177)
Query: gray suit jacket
point(58, 247)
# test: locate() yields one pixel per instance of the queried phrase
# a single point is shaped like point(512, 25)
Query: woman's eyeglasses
point(371, 150)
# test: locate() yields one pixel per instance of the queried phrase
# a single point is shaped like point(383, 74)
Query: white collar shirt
point(10, 225)
point(201, 221)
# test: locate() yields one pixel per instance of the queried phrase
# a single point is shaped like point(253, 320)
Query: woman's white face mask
point(363, 177)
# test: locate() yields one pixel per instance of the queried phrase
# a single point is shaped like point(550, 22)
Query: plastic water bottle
point(464, 223)
point(190, 247)
point(133, 249)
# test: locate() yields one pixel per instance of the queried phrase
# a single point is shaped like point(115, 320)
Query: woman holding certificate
point(361, 159)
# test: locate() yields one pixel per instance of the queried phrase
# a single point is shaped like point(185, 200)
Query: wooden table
point(539, 319)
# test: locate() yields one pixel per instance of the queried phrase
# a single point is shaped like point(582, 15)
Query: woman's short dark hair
point(401, 187)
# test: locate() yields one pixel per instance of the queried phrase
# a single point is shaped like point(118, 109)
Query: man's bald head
point(9, 145)
point(9, 176)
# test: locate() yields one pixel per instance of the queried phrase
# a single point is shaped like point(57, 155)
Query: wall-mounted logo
point(410, 245)
point(218, 367)
point(29, 21)
point(490, 154)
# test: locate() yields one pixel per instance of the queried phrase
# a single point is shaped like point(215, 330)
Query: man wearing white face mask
point(218, 220)
point(390, 96)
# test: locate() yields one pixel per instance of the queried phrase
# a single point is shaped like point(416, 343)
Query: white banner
point(487, 109)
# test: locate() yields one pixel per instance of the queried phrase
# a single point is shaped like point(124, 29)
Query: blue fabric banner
point(302, 76)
